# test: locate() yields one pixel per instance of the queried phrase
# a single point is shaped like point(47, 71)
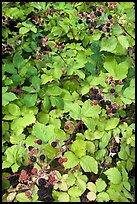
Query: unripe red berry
point(111, 77)
point(62, 46)
point(109, 111)
point(34, 171)
point(52, 179)
point(106, 81)
point(120, 82)
point(60, 160)
point(112, 84)
point(46, 52)
point(24, 177)
point(75, 168)
point(66, 127)
point(65, 159)
point(57, 42)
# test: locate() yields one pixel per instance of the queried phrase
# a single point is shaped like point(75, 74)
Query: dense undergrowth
point(68, 101)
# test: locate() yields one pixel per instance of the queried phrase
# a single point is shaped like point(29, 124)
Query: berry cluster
point(97, 97)
point(91, 20)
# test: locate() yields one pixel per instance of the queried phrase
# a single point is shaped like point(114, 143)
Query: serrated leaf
point(75, 111)
point(54, 90)
point(111, 123)
point(108, 44)
point(74, 191)
point(23, 30)
point(15, 167)
point(113, 175)
point(90, 111)
point(79, 148)
point(123, 41)
point(90, 147)
point(45, 78)
point(63, 197)
point(100, 185)
point(18, 60)
point(72, 160)
point(57, 101)
point(91, 186)
point(89, 164)
point(102, 197)
point(14, 109)
point(81, 184)
point(7, 97)
point(21, 197)
point(30, 100)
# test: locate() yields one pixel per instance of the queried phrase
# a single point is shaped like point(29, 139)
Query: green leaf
point(105, 140)
point(7, 97)
point(14, 109)
point(74, 191)
point(63, 197)
point(45, 78)
point(18, 60)
point(72, 160)
point(90, 111)
point(102, 197)
point(46, 103)
point(54, 90)
point(111, 123)
point(70, 179)
point(43, 117)
point(34, 29)
point(100, 185)
point(81, 184)
point(75, 111)
point(90, 147)
point(30, 100)
point(57, 101)
point(89, 164)
point(90, 123)
point(108, 44)
point(91, 186)
point(113, 175)
point(15, 167)
point(23, 30)
point(79, 148)
point(123, 41)
point(21, 197)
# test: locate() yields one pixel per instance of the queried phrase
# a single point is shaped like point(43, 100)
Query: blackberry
point(88, 20)
point(33, 158)
point(93, 24)
point(30, 148)
point(41, 182)
point(42, 157)
point(108, 30)
point(80, 21)
point(108, 24)
point(103, 35)
point(94, 8)
point(112, 90)
point(99, 97)
point(50, 188)
point(98, 13)
point(48, 68)
point(114, 110)
point(100, 28)
point(91, 97)
point(109, 16)
point(108, 102)
point(54, 144)
point(39, 142)
point(95, 91)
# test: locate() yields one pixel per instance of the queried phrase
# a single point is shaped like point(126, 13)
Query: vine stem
point(74, 131)
point(126, 31)
point(7, 177)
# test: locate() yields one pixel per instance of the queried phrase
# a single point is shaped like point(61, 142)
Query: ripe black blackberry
point(95, 91)
point(39, 142)
point(88, 20)
point(33, 158)
point(108, 24)
point(30, 148)
point(99, 97)
point(42, 157)
point(80, 21)
point(41, 182)
point(108, 30)
point(112, 90)
point(103, 35)
point(54, 144)
point(97, 13)
point(94, 8)
point(100, 28)
point(109, 16)
point(93, 24)
point(108, 102)
point(91, 97)
point(114, 110)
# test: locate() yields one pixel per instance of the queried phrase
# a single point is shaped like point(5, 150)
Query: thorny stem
point(7, 177)
point(126, 31)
